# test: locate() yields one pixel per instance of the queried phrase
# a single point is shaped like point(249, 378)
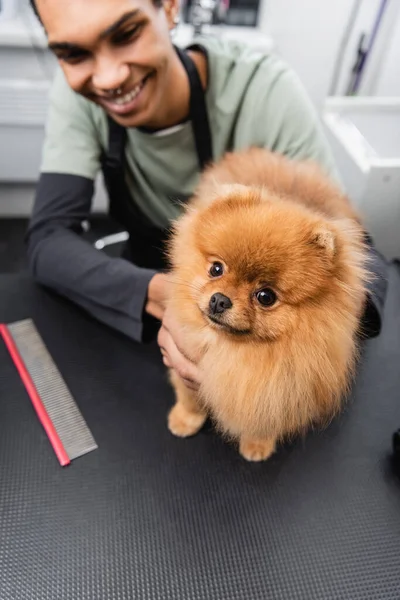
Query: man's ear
point(171, 8)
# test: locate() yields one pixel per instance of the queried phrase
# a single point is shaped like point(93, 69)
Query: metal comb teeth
point(55, 396)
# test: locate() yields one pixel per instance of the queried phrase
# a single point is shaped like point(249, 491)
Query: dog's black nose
point(219, 303)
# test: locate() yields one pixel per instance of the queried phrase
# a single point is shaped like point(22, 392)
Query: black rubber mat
point(12, 244)
point(12, 250)
point(148, 516)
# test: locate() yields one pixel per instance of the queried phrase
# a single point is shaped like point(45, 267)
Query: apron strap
point(144, 235)
point(114, 156)
point(121, 207)
point(198, 111)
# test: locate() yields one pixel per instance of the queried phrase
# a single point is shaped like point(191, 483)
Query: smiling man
point(120, 56)
point(150, 116)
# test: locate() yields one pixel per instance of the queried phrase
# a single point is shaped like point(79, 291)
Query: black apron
point(146, 244)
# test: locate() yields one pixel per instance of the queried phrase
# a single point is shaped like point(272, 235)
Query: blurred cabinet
point(364, 133)
point(26, 69)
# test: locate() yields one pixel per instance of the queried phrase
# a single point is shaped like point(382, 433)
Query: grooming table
point(151, 517)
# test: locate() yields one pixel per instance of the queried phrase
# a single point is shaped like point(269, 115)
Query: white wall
point(308, 34)
point(388, 80)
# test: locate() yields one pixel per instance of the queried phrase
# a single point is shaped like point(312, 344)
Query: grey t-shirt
point(251, 99)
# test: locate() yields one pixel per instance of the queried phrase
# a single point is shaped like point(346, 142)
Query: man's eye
point(72, 58)
point(126, 36)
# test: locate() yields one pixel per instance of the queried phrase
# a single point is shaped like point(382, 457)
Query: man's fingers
point(162, 339)
point(173, 358)
point(192, 385)
point(155, 309)
point(173, 355)
point(170, 325)
point(167, 362)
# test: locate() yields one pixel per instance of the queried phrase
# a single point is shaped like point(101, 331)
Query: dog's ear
point(324, 238)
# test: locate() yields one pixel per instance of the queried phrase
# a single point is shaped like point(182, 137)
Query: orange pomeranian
point(268, 265)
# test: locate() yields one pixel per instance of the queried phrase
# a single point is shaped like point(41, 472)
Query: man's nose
point(109, 74)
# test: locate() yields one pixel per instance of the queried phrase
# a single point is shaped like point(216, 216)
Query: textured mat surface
point(12, 249)
point(12, 244)
point(148, 516)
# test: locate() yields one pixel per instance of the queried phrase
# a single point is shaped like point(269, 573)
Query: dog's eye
point(216, 269)
point(266, 297)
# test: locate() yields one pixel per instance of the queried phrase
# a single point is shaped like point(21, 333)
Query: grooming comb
point(57, 411)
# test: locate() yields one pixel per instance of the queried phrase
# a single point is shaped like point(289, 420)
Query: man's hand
point(170, 339)
point(157, 295)
point(175, 355)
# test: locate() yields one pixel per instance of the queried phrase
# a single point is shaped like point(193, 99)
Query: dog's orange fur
point(279, 224)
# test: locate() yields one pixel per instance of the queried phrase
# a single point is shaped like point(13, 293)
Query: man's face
point(117, 53)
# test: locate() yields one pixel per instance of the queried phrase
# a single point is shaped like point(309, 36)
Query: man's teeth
point(129, 96)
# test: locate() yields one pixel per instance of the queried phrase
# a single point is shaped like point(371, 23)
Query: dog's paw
point(183, 423)
point(256, 451)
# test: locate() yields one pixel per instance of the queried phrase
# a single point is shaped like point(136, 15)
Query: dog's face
point(251, 264)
